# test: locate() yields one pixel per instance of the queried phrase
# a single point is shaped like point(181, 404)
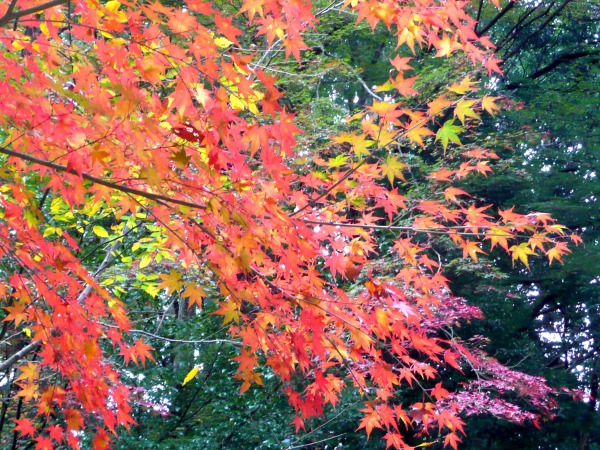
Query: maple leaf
point(521, 251)
point(444, 46)
point(29, 391)
point(252, 7)
point(463, 109)
point(400, 64)
point(466, 85)
point(498, 236)
point(298, 423)
point(45, 443)
point(452, 440)
point(392, 168)
point(230, 312)
point(489, 105)
point(438, 105)
point(471, 249)
point(393, 440)
point(180, 158)
point(416, 132)
point(387, 111)
point(441, 175)
point(56, 432)
point(24, 427)
point(451, 193)
point(171, 281)
point(448, 133)
point(557, 251)
point(30, 372)
point(360, 143)
point(195, 293)
point(370, 420)
point(407, 36)
point(141, 350)
point(576, 239)
point(404, 85)
point(18, 313)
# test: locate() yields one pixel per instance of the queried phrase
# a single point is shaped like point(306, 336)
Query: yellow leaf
point(387, 86)
point(171, 281)
point(44, 28)
point(113, 7)
point(392, 168)
point(222, 42)
point(145, 261)
point(488, 104)
point(416, 134)
point(465, 86)
point(444, 47)
point(520, 252)
point(229, 311)
point(194, 293)
point(463, 109)
point(99, 231)
point(191, 374)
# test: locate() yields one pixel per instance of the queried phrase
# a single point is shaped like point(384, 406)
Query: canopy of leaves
point(157, 188)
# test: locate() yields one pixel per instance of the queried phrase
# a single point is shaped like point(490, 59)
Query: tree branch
point(17, 356)
point(540, 28)
point(178, 341)
point(93, 179)
point(454, 230)
point(11, 14)
point(479, 9)
point(567, 57)
point(561, 60)
point(498, 16)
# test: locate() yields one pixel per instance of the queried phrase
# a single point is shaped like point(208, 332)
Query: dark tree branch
point(561, 60)
point(478, 15)
point(101, 181)
point(498, 16)
point(524, 26)
point(12, 15)
point(519, 26)
point(543, 25)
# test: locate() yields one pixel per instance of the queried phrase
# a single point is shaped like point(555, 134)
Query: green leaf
point(448, 133)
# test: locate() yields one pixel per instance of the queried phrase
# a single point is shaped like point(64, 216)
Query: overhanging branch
point(118, 187)
point(12, 15)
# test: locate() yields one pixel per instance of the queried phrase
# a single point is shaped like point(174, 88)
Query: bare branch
point(93, 179)
point(20, 354)
point(498, 16)
point(179, 341)
point(540, 28)
point(561, 60)
point(12, 15)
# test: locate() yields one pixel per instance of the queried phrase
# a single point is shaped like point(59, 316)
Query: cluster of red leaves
point(145, 108)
